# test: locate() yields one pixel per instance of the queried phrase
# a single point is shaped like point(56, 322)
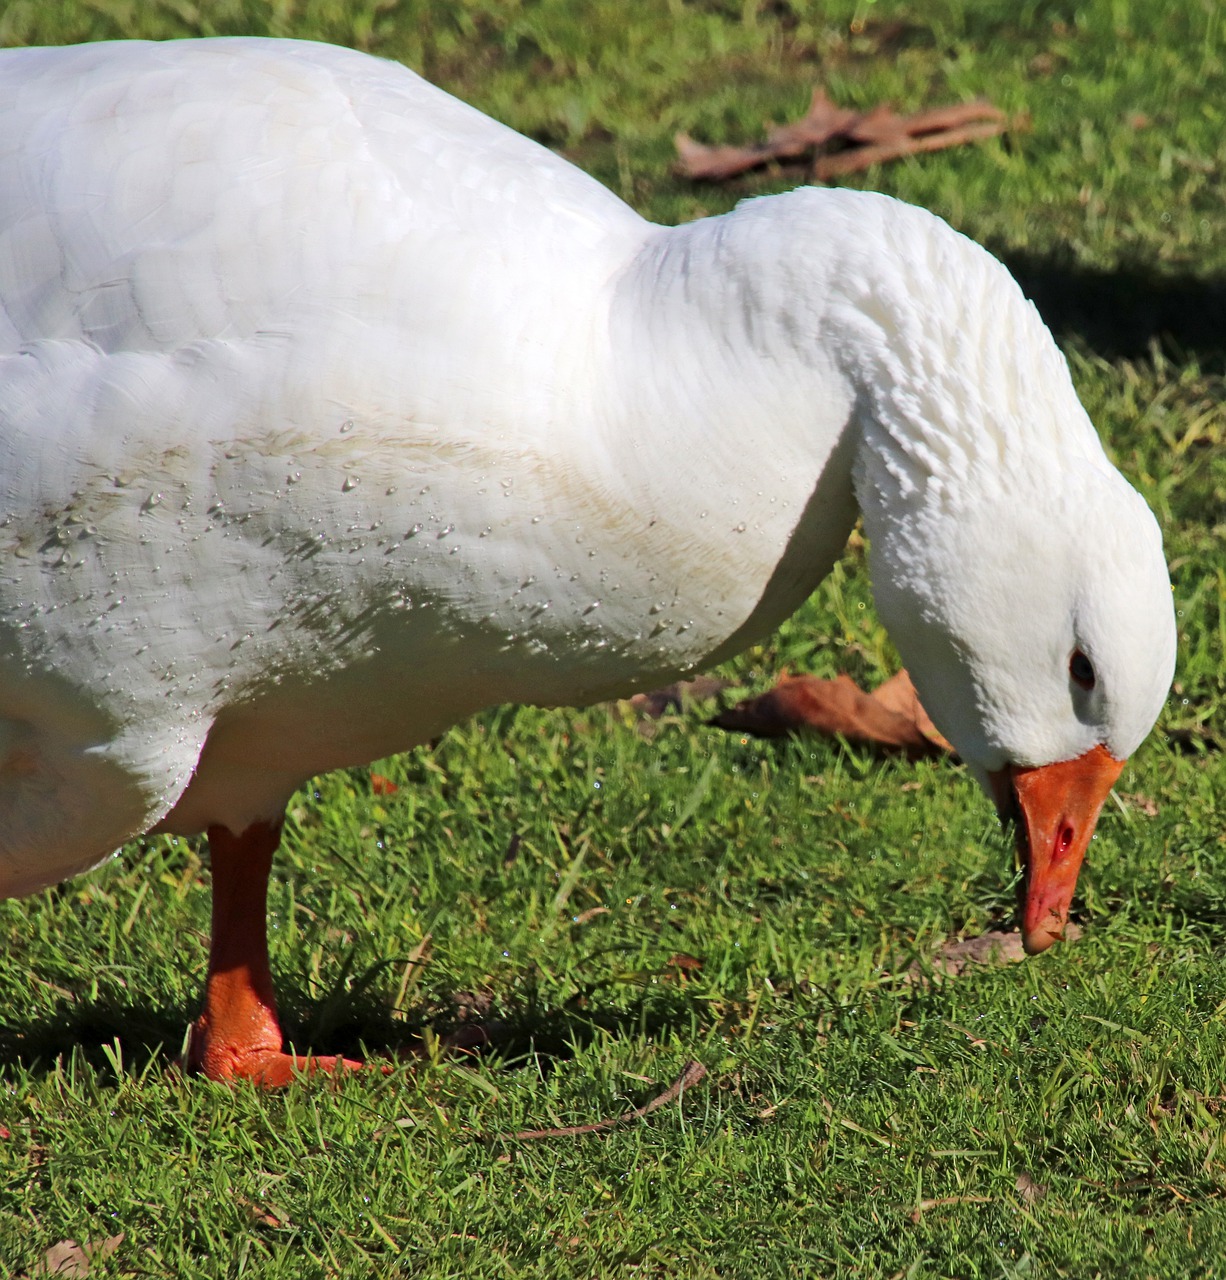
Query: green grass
point(858, 1119)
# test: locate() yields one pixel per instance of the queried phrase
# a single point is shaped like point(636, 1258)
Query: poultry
point(334, 412)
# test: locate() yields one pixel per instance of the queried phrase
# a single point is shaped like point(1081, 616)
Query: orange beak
point(1054, 807)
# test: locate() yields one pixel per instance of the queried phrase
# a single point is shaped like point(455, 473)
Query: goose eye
point(1081, 669)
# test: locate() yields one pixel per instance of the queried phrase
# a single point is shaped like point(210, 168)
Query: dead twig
point(926, 1206)
point(690, 1075)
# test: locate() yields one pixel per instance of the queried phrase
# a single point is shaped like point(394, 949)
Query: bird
point(333, 411)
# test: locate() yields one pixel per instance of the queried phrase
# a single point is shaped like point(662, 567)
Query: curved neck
point(742, 425)
point(818, 307)
point(806, 337)
point(964, 396)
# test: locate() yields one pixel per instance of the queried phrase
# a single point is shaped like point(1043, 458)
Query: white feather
point(332, 411)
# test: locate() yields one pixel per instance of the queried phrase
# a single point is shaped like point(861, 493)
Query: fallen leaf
point(994, 947)
point(898, 694)
point(468, 1004)
point(716, 163)
point(680, 968)
point(815, 128)
point(262, 1215)
point(71, 1259)
point(875, 127)
point(890, 718)
point(669, 699)
point(1136, 800)
point(862, 138)
point(382, 786)
point(1031, 1191)
point(855, 160)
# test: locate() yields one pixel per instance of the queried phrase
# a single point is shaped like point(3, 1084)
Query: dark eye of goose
point(1081, 669)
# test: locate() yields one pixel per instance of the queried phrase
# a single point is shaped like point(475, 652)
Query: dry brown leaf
point(880, 125)
point(898, 694)
point(1136, 800)
point(856, 159)
point(262, 1215)
point(1031, 1191)
point(669, 699)
point(717, 163)
point(71, 1259)
point(815, 128)
point(865, 138)
point(769, 1113)
point(939, 119)
point(892, 718)
point(993, 947)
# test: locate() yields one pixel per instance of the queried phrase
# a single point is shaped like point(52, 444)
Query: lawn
point(618, 898)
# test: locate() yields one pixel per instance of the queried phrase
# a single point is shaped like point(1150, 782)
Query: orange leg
point(237, 1034)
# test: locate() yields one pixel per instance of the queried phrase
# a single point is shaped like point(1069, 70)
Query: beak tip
point(1037, 940)
point(1058, 805)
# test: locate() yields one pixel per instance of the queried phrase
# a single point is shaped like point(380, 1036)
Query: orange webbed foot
point(271, 1068)
point(238, 1036)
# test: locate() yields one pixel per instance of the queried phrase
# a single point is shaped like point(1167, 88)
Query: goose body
point(332, 411)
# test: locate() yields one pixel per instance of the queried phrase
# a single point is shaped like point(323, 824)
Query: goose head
point(1039, 631)
point(1019, 574)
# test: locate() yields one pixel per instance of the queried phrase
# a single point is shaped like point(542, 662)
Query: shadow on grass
point(90, 1029)
point(1121, 313)
point(365, 1029)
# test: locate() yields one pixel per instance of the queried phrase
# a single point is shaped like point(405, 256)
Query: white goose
point(332, 411)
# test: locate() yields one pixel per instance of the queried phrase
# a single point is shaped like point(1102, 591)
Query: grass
point(553, 871)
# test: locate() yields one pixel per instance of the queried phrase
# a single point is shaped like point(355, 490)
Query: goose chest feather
point(332, 411)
